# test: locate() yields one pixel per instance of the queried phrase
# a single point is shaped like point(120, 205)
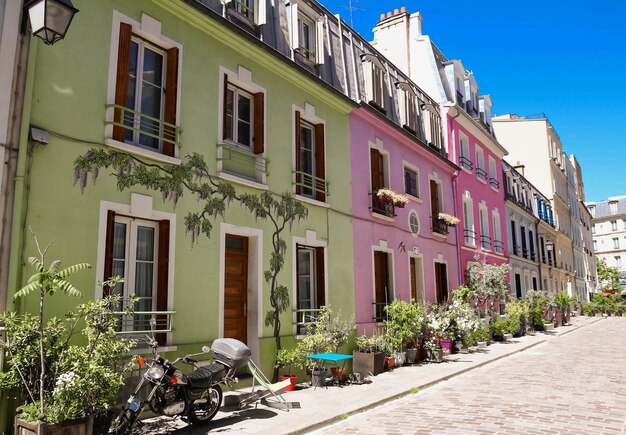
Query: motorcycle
point(196, 397)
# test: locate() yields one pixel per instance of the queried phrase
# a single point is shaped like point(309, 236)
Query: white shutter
point(260, 14)
point(295, 39)
point(320, 49)
point(402, 97)
point(369, 80)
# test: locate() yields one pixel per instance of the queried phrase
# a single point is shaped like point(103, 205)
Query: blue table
point(332, 357)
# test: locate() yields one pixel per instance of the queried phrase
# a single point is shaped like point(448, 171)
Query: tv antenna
point(351, 8)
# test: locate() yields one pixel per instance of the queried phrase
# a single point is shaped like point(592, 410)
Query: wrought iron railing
point(382, 207)
point(139, 322)
point(494, 183)
point(440, 226)
point(498, 246)
point(309, 185)
point(470, 237)
point(144, 125)
point(485, 242)
point(481, 173)
point(466, 163)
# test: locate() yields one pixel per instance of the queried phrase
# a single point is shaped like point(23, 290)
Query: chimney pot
point(403, 9)
point(389, 14)
point(382, 16)
point(396, 11)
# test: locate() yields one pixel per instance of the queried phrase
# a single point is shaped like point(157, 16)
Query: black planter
point(498, 337)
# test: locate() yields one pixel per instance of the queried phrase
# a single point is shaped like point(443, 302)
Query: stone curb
point(338, 418)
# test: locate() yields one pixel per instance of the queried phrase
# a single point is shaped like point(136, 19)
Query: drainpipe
point(12, 151)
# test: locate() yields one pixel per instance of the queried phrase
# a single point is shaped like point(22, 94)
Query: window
point(138, 250)
point(615, 243)
point(310, 282)
point(249, 12)
point(378, 175)
point(497, 232)
point(383, 293)
point(375, 82)
point(613, 207)
point(613, 225)
point(238, 113)
point(522, 229)
point(480, 164)
point(593, 228)
point(493, 174)
point(618, 261)
point(307, 34)
point(411, 186)
point(485, 240)
point(514, 247)
point(441, 282)
point(310, 159)
point(145, 94)
point(414, 224)
point(465, 159)
point(436, 207)
point(468, 222)
point(432, 128)
point(531, 239)
point(409, 109)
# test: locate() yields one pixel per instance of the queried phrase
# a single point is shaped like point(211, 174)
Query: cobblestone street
point(573, 383)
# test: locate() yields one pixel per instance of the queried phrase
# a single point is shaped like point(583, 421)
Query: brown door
point(434, 202)
point(381, 284)
point(441, 282)
point(236, 288)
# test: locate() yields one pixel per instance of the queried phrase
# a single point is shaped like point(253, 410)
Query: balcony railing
point(379, 311)
point(139, 322)
point(533, 255)
point(384, 208)
point(516, 249)
point(466, 163)
point(481, 174)
point(470, 237)
point(494, 183)
point(308, 185)
point(485, 242)
point(524, 252)
point(242, 163)
point(144, 126)
point(498, 246)
point(440, 226)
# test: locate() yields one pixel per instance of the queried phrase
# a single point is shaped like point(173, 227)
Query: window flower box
point(448, 219)
point(391, 197)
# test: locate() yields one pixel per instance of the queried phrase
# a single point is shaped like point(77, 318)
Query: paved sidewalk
point(323, 406)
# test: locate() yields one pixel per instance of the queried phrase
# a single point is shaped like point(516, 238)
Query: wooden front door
point(381, 284)
point(441, 282)
point(236, 288)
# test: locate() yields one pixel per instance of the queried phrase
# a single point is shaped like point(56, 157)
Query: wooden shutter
point(320, 165)
point(434, 201)
point(163, 274)
point(377, 172)
point(413, 278)
point(320, 283)
point(108, 250)
point(297, 151)
point(121, 82)
point(225, 108)
point(259, 122)
point(171, 91)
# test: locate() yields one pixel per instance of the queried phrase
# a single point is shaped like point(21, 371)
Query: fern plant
point(47, 280)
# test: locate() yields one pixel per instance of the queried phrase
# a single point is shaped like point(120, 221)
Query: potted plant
point(563, 302)
point(518, 309)
point(496, 328)
point(288, 358)
point(369, 356)
point(448, 219)
point(404, 327)
point(391, 197)
point(65, 376)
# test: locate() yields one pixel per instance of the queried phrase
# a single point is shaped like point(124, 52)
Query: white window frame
point(411, 214)
point(483, 217)
point(258, 10)
point(301, 13)
point(375, 80)
point(408, 103)
point(237, 91)
point(497, 231)
point(407, 166)
point(493, 173)
point(465, 151)
point(480, 162)
point(468, 220)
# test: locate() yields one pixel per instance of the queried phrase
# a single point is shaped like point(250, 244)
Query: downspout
point(18, 227)
point(12, 150)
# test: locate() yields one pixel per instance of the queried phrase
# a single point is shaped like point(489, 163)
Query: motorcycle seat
point(206, 375)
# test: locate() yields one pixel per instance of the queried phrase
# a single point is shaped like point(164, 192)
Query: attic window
point(375, 81)
point(409, 107)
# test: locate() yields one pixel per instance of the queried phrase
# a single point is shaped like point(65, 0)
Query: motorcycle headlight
point(156, 372)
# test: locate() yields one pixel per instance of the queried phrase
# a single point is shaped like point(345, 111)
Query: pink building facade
point(478, 189)
point(399, 252)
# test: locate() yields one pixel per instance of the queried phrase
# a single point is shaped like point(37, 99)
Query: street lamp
point(50, 19)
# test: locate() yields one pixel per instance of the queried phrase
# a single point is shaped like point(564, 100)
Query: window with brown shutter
point(259, 123)
point(298, 151)
point(310, 159)
point(320, 169)
point(134, 124)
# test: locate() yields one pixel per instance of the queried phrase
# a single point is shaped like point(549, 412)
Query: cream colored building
point(533, 142)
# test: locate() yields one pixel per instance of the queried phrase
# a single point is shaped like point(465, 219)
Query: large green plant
point(192, 176)
point(488, 281)
point(608, 276)
point(405, 323)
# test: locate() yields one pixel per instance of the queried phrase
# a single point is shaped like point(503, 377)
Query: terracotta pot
point(338, 372)
point(390, 362)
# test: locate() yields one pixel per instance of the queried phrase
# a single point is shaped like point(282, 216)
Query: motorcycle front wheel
point(203, 410)
point(123, 423)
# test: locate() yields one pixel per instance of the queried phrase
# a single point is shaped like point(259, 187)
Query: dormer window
point(307, 34)
point(375, 82)
point(251, 12)
point(409, 108)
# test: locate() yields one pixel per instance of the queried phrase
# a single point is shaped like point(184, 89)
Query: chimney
point(395, 16)
point(519, 168)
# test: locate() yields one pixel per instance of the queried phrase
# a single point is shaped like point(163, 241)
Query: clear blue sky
point(566, 59)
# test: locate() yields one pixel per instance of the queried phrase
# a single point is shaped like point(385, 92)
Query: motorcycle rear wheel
point(203, 412)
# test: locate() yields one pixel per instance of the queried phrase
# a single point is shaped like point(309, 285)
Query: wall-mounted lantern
point(50, 19)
